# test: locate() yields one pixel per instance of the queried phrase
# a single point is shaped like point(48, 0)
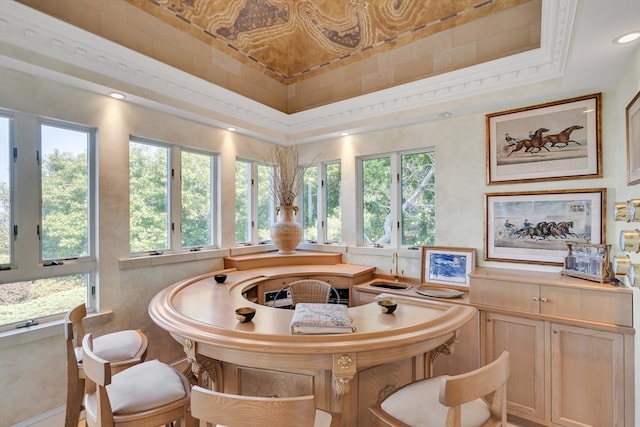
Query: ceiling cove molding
point(27, 29)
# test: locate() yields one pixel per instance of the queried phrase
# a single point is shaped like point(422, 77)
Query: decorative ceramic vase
point(286, 233)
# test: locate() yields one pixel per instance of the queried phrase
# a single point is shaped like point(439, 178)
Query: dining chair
point(311, 291)
point(232, 410)
point(149, 394)
point(472, 399)
point(121, 348)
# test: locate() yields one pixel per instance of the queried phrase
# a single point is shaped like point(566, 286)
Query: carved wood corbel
point(207, 371)
point(344, 368)
point(444, 348)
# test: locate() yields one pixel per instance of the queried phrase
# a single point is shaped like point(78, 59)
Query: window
point(376, 201)
point(254, 202)
point(266, 205)
point(418, 216)
point(148, 196)
point(65, 193)
point(243, 201)
point(171, 198)
point(197, 194)
point(408, 201)
point(320, 203)
point(333, 202)
point(309, 204)
point(46, 253)
point(6, 242)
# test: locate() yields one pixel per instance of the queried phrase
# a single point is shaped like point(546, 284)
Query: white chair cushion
point(114, 347)
point(323, 419)
point(117, 346)
point(418, 405)
point(145, 386)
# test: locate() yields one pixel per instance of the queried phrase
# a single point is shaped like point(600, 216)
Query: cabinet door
point(587, 377)
point(524, 340)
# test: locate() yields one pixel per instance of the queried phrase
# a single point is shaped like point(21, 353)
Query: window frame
point(214, 184)
point(11, 160)
point(25, 192)
point(174, 198)
point(321, 202)
point(395, 195)
point(253, 202)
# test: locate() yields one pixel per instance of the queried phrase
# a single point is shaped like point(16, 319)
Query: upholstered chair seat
point(148, 394)
point(409, 405)
point(140, 388)
point(472, 399)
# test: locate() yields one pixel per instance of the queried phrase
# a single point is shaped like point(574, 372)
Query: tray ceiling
point(291, 40)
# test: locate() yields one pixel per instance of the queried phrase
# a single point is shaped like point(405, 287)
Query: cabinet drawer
point(583, 304)
point(502, 293)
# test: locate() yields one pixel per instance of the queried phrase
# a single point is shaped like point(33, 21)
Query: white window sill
point(171, 258)
point(20, 336)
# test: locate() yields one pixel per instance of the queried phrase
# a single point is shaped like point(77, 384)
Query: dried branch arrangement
point(287, 176)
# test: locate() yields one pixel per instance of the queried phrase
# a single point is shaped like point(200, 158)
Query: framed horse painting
point(553, 141)
point(633, 140)
point(534, 227)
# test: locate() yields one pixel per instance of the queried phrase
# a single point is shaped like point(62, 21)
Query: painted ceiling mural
point(293, 37)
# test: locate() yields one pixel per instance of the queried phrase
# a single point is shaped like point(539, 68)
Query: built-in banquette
point(571, 342)
point(346, 372)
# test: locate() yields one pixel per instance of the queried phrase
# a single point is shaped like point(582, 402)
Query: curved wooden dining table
point(199, 314)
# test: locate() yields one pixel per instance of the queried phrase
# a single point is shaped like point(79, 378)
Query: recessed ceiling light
point(231, 129)
point(344, 133)
point(116, 95)
point(628, 37)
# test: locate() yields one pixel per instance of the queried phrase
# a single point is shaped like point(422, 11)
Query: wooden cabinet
point(587, 377)
point(571, 344)
point(465, 356)
point(524, 339)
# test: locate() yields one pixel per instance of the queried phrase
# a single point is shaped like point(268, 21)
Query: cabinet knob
point(536, 299)
point(544, 299)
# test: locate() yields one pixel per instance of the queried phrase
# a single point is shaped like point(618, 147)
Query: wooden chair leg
point(75, 394)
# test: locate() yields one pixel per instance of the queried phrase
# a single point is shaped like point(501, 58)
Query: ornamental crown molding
point(36, 43)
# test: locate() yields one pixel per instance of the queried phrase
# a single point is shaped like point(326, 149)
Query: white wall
point(32, 372)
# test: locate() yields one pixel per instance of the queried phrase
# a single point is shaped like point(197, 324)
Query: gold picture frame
point(554, 141)
point(534, 227)
point(633, 140)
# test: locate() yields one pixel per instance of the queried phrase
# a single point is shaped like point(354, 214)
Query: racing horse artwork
point(534, 142)
point(563, 137)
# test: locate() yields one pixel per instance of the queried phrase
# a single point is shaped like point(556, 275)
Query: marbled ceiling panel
point(290, 38)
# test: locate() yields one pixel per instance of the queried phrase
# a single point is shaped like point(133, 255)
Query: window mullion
point(320, 208)
point(175, 200)
point(26, 193)
point(253, 202)
point(396, 200)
